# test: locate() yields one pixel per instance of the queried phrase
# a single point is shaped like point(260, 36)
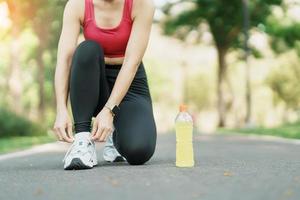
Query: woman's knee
point(138, 154)
point(136, 137)
point(87, 52)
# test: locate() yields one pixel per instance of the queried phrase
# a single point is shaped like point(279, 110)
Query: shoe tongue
point(82, 138)
point(82, 135)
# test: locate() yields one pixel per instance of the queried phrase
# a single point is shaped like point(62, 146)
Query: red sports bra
point(113, 40)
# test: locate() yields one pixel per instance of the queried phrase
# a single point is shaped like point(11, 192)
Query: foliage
point(13, 125)
point(159, 83)
point(22, 142)
point(290, 130)
point(225, 20)
point(198, 91)
point(284, 83)
point(38, 26)
point(285, 31)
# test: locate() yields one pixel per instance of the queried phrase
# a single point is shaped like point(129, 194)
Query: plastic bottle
point(184, 138)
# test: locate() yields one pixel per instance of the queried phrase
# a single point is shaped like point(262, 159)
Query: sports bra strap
point(129, 8)
point(88, 10)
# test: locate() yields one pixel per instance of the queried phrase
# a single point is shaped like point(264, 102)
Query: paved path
point(227, 168)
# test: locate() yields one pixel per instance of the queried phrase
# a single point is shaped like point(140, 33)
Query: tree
point(41, 24)
point(14, 86)
point(284, 83)
point(20, 13)
point(44, 18)
point(225, 21)
point(285, 30)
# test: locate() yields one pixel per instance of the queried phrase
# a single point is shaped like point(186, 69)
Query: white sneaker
point(81, 154)
point(110, 153)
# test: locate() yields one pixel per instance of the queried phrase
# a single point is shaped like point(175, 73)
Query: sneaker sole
point(77, 164)
point(117, 159)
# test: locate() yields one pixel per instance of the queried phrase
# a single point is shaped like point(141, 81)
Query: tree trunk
point(248, 95)
point(43, 34)
point(14, 81)
point(222, 68)
point(247, 53)
point(41, 83)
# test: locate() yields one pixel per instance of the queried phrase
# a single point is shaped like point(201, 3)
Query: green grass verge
point(291, 130)
point(20, 143)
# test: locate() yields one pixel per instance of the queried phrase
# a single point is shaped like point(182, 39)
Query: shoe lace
point(75, 148)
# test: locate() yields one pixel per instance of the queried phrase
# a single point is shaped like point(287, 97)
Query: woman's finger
point(98, 133)
point(70, 132)
point(64, 135)
point(57, 134)
point(105, 133)
point(95, 127)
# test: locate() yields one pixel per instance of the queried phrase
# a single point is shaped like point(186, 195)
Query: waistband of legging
point(113, 66)
point(116, 66)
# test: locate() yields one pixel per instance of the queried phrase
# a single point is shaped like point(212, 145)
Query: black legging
point(91, 82)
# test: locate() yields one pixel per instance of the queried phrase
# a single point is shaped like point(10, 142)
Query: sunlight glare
point(5, 22)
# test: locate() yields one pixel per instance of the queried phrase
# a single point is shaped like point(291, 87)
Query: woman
point(106, 79)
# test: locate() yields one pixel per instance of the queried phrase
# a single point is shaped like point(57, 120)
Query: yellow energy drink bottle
point(184, 138)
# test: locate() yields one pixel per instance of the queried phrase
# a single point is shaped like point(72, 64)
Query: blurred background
point(235, 64)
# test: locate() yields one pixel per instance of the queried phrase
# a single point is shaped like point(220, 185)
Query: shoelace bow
point(75, 148)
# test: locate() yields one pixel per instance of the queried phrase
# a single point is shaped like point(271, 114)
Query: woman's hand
point(102, 126)
point(63, 127)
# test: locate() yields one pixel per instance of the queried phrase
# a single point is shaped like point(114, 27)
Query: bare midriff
point(113, 61)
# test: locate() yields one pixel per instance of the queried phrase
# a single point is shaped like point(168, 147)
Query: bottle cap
point(182, 107)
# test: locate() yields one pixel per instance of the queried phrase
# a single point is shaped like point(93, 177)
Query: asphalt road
point(226, 168)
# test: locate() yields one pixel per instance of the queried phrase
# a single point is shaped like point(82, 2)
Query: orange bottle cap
point(182, 107)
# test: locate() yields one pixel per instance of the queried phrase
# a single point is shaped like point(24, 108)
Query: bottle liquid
point(184, 138)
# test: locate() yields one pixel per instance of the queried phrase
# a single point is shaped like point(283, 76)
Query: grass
point(20, 143)
point(291, 130)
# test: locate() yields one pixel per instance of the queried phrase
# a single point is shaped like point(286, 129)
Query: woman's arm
point(136, 47)
point(135, 50)
point(66, 46)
